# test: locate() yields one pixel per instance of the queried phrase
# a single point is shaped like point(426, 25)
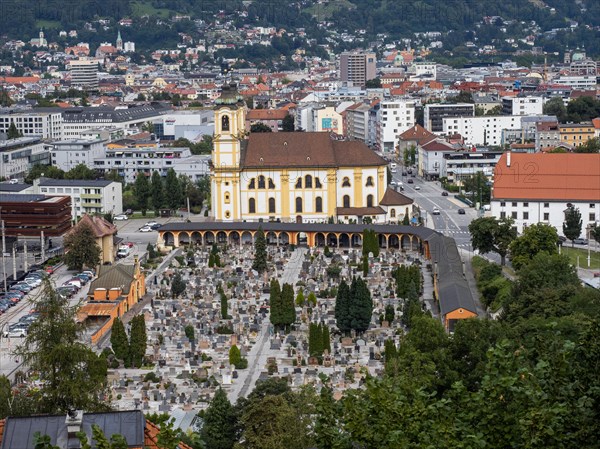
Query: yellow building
point(576, 134)
point(298, 176)
point(104, 232)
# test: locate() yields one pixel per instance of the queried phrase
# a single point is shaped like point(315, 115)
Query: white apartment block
point(583, 82)
point(393, 118)
point(128, 162)
point(47, 125)
point(481, 130)
point(87, 196)
point(357, 122)
point(17, 156)
point(84, 73)
point(522, 105)
point(67, 154)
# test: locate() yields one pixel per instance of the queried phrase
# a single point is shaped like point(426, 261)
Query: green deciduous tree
point(489, 234)
point(329, 433)
point(300, 298)
point(234, 355)
point(572, 223)
point(72, 375)
point(220, 423)
point(260, 127)
point(81, 249)
point(81, 171)
point(142, 192)
point(312, 299)
point(590, 146)
point(595, 232)
point(287, 124)
point(260, 252)
point(535, 238)
point(555, 106)
point(47, 171)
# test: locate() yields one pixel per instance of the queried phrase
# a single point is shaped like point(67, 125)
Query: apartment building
point(462, 165)
point(393, 117)
point(485, 130)
point(434, 114)
point(522, 105)
point(35, 123)
point(67, 154)
point(84, 73)
point(357, 122)
point(87, 196)
point(576, 134)
point(358, 67)
point(547, 136)
point(128, 162)
point(578, 82)
point(17, 156)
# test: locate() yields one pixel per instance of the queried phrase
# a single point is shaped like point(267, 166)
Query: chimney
point(73, 422)
point(508, 159)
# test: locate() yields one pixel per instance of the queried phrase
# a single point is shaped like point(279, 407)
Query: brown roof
point(100, 226)
point(97, 308)
point(541, 176)
point(113, 276)
point(266, 114)
point(437, 145)
point(306, 149)
point(418, 133)
point(360, 211)
point(393, 198)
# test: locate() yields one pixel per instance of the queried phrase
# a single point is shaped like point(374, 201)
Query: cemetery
point(225, 303)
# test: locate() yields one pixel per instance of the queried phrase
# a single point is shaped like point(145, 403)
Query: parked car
point(120, 217)
point(155, 227)
point(410, 181)
point(151, 223)
point(145, 229)
point(128, 212)
point(461, 212)
point(404, 173)
point(15, 330)
point(128, 244)
point(50, 269)
point(33, 281)
point(90, 273)
point(581, 241)
point(417, 188)
point(444, 193)
point(435, 211)
point(23, 286)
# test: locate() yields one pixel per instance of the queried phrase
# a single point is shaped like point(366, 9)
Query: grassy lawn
point(328, 10)
point(573, 253)
point(139, 9)
point(47, 24)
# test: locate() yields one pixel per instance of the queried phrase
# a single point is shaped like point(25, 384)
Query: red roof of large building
point(418, 134)
point(542, 176)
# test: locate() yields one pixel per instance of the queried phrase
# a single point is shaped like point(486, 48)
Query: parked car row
point(20, 289)
point(73, 285)
point(20, 328)
point(150, 226)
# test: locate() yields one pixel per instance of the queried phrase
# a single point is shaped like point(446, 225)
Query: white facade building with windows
point(47, 125)
point(393, 118)
point(87, 196)
point(17, 156)
point(67, 154)
point(481, 130)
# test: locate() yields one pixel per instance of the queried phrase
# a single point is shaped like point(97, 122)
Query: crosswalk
point(453, 231)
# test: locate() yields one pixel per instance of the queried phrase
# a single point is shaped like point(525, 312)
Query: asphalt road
point(448, 222)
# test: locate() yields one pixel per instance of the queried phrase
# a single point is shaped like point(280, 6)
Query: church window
point(369, 181)
point(252, 184)
point(319, 204)
point(271, 184)
point(308, 182)
point(299, 183)
point(318, 183)
point(369, 200)
point(393, 213)
point(225, 123)
point(271, 205)
point(227, 198)
point(346, 200)
point(346, 182)
point(298, 204)
point(261, 182)
point(252, 206)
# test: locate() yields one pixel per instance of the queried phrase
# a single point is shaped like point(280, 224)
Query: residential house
point(273, 118)
point(105, 236)
point(547, 136)
point(576, 134)
point(431, 158)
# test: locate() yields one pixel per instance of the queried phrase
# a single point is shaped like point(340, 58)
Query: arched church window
point(225, 123)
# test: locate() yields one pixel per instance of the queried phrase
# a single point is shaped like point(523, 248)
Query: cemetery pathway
point(261, 351)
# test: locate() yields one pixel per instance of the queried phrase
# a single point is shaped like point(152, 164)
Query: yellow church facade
point(294, 177)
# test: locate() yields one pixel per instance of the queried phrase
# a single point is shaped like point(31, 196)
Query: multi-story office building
point(522, 105)
point(485, 130)
point(37, 123)
point(434, 114)
point(583, 82)
point(462, 165)
point(358, 67)
point(84, 73)
point(30, 215)
point(184, 124)
point(17, 156)
point(87, 196)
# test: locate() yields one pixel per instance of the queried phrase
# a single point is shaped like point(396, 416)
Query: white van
point(123, 251)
